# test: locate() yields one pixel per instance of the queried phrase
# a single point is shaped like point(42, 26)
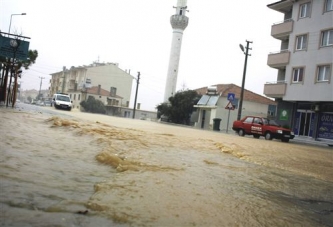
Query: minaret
point(178, 22)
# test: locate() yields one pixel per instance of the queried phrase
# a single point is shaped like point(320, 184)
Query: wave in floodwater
point(59, 171)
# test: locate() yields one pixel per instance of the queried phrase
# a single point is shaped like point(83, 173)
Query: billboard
point(14, 48)
point(325, 126)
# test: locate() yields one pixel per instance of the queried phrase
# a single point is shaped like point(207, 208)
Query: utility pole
point(240, 107)
point(136, 93)
point(40, 86)
point(63, 79)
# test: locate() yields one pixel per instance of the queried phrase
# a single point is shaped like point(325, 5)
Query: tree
point(180, 107)
point(12, 68)
point(92, 105)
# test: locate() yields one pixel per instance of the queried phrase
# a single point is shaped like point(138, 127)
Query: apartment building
point(304, 89)
point(76, 81)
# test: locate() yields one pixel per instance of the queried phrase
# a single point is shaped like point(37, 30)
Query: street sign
point(230, 106)
point(231, 96)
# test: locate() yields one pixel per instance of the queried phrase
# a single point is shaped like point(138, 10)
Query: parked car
point(260, 126)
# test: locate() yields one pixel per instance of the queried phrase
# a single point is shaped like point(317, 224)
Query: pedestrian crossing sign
point(231, 96)
point(229, 106)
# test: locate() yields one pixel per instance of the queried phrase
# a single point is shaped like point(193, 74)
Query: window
point(257, 121)
point(304, 10)
point(248, 120)
point(327, 38)
point(298, 75)
point(78, 98)
point(301, 42)
point(74, 96)
point(328, 5)
point(324, 73)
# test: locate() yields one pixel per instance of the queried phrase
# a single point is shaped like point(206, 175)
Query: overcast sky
point(137, 35)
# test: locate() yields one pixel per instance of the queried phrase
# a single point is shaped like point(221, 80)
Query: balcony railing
point(282, 30)
point(275, 89)
point(278, 59)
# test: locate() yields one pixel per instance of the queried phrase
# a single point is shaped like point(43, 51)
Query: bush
point(93, 106)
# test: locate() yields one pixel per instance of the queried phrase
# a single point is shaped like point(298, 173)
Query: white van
point(62, 101)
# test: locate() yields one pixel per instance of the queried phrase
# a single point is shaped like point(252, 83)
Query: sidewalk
point(312, 141)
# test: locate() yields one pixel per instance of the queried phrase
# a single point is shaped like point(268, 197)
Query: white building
point(303, 88)
point(76, 80)
point(214, 105)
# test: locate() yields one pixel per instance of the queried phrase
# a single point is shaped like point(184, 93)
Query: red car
point(260, 126)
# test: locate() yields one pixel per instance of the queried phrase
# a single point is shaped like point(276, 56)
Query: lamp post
point(11, 16)
point(240, 107)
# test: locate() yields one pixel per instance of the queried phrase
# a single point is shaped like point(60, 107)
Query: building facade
point(304, 89)
point(216, 104)
point(76, 80)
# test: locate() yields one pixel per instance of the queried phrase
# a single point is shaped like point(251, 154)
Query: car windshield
point(63, 98)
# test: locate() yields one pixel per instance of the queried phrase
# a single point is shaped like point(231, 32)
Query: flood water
point(91, 170)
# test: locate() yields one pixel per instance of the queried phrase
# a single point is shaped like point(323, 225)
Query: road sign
point(231, 96)
point(230, 106)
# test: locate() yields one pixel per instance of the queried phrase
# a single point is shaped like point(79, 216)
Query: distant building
point(112, 101)
point(80, 79)
point(23, 95)
point(303, 88)
point(215, 103)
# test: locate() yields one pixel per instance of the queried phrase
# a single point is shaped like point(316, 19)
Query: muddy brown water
point(92, 170)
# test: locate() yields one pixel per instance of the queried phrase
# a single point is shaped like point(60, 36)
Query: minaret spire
point(178, 22)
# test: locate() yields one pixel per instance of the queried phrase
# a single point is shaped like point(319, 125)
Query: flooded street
point(61, 168)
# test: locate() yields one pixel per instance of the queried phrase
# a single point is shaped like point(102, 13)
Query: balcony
point(278, 60)
point(282, 30)
point(275, 89)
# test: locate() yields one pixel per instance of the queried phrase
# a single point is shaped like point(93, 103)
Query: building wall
point(314, 55)
point(111, 76)
point(76, 98)
point(139, 114)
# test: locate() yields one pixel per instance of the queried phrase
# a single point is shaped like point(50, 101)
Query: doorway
point(305, 119)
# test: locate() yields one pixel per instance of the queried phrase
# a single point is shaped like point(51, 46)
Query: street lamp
point(11, 19)
point(240, 107)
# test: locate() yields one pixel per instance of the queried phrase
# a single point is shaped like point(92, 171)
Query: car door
point(247, 123)
point(256, 127)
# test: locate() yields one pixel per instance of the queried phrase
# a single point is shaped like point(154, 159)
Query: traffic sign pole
point(228, 121)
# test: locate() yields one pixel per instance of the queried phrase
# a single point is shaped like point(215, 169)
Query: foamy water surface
point(93, 170)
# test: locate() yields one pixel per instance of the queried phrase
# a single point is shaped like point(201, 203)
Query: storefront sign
point(284, 115)
point(325, 126)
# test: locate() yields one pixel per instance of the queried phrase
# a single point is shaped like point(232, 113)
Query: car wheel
point(268, 136)
point(241, 132)
point(285, 140)
point(256, 136)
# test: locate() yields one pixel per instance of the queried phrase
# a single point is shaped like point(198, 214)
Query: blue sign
point(325, 126)
point(231, 96)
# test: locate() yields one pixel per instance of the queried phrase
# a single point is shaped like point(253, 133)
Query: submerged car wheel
point(268, 136)
point(241, 132)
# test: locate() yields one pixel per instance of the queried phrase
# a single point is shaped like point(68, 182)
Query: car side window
point(257, 120)
point(248, 120)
